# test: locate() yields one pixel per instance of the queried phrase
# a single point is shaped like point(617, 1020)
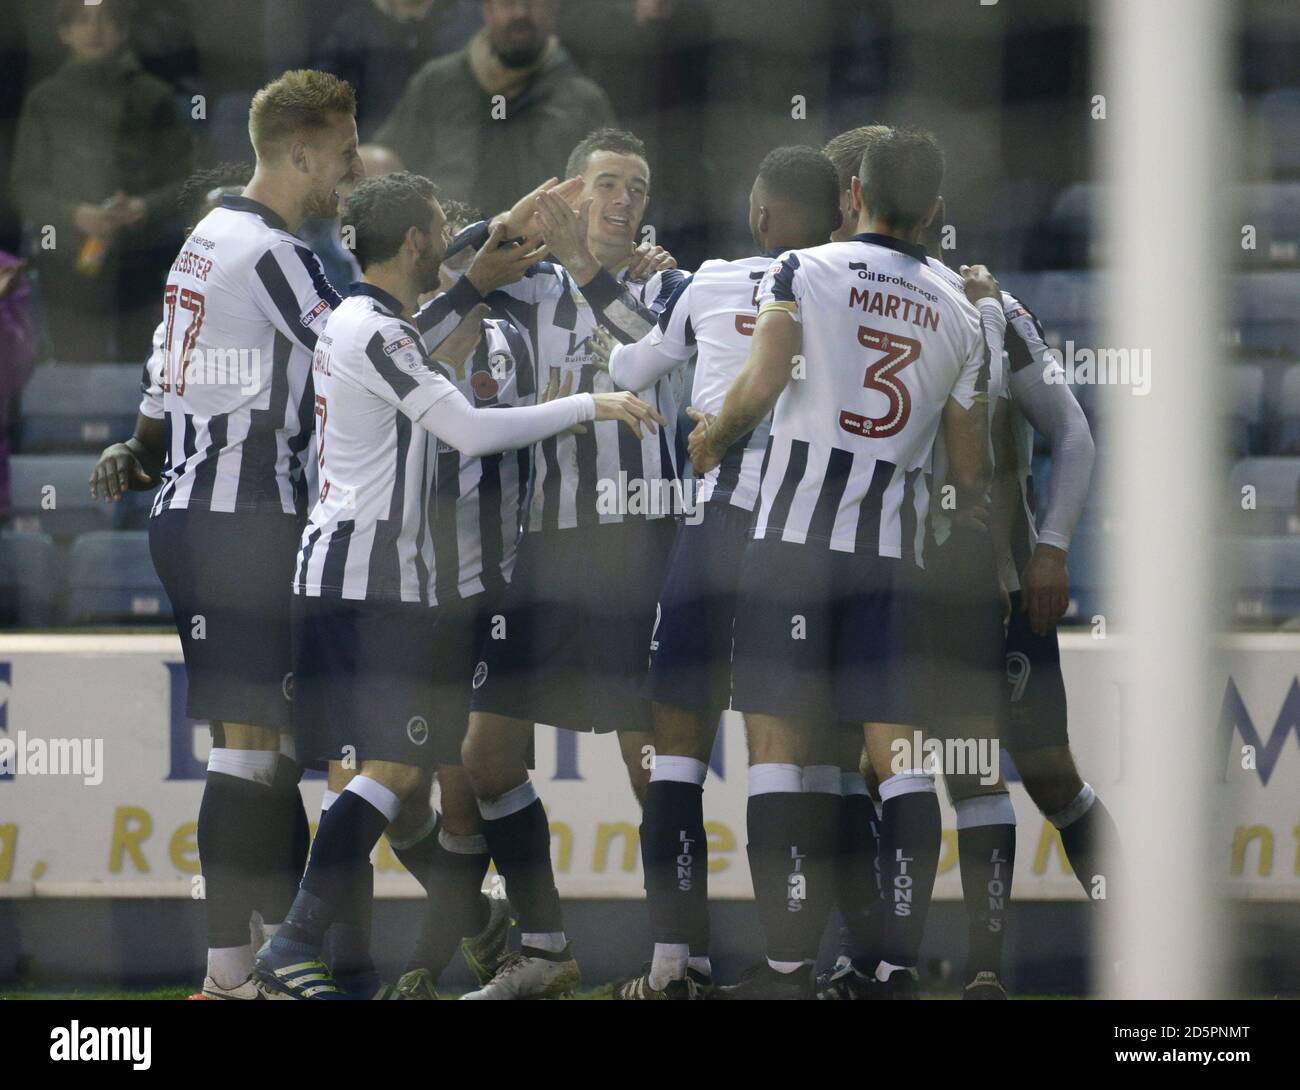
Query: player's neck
point(878, 227)
point(612, 259)
point(387, 277)
point(278, 198)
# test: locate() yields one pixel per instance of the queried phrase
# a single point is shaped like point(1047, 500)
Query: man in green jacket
point(492, 120)
point(101, 152)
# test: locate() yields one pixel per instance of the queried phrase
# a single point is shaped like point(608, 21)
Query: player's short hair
point(459, 214)
point(847, 149)
point(119, 11)
point(381, 210)
point(302, 100)
point(618, 141)
point(901, 172)
point(805, 179)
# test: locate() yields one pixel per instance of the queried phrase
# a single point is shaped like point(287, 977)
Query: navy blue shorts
point(229, 577)
point(1035, 687)
point(363, 681)
point(964, 639)
point(579, 612)
point(464, 625)
point(690, 652)
point(828, 637)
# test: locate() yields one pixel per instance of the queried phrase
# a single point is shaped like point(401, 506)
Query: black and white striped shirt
point(886, 342)
point(231, 367)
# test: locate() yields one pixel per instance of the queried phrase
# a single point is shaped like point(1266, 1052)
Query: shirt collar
point(237, 203)
point(911, 249)
point(388, 302)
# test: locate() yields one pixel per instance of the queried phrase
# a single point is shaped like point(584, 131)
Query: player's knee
point(247, 736)
point(1049, 776)
point(460, 814)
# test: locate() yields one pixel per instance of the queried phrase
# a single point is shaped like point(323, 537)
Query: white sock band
point(906, 783)
point(514, 800)
point(430, 823)
point(1081, 805)
point(852, 783)
point(772, 779)
point(679, 770)
point(287, 747)
point(254, 765)
point(550, 941)
point(463, 845)
point(328, 799)
point(822, 779)
point(375, 793)
point(985, 810)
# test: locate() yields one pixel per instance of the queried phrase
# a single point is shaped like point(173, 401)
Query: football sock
point(675, 861)
point(856, 888)
point(777, 858)
point(909, 858)
point(822, 805)
point(986, 847)
point(519, 840)
point(339, 873)
point(455, 907)
point(416, 851)
point(1089, 836)
point(233, 818)
point(287, 840)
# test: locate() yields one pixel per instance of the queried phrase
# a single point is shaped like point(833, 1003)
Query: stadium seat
point(1280, 113)
point(1273, 483)
point(1286, 436)
point(51, 495)
point(1273, 209)
point(78, 406)
point(29, 567)
point(1265, 578)
point(1246, 430)
point(1072, 238)
point(1265, 316)
point(111, 580)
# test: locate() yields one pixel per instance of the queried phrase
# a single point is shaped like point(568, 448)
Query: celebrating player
point(364, 633)
point(827, 607)
point(226, 419)
point(792, 205)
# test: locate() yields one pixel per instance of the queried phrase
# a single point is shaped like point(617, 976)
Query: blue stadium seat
point(1273, 209)
point(1274, 481)
point(51, 495)
point(29, 584)
point(1265, 575)
point(1073, 235)
point(111, 580)
point(70, 406)
point(1280, 113)
point(1266, 317)
point(1286, 438)
point(1246, 413)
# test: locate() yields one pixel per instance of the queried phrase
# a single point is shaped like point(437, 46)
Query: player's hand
point(11, 277)
point(117, 472)
point(602, 344)
point(565, 232)
point(458, 345)
point(520, 220)
point(979, 283)
point(1004, 602)
point(972, 517)
point(648, 260)
point(1046, 584)
point(496, 265)
point(628, 408)
point(698, 445)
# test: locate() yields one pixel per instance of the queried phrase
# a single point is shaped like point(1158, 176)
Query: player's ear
point(936, 209)
point(855, 187)
point(299, 157)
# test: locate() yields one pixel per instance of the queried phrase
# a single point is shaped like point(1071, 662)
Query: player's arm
point(669, 344)
point(1004, 493)
point(778, 338)
point(398, 370)
point(1052, 410)
point(291, 289)
point(134, 465)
